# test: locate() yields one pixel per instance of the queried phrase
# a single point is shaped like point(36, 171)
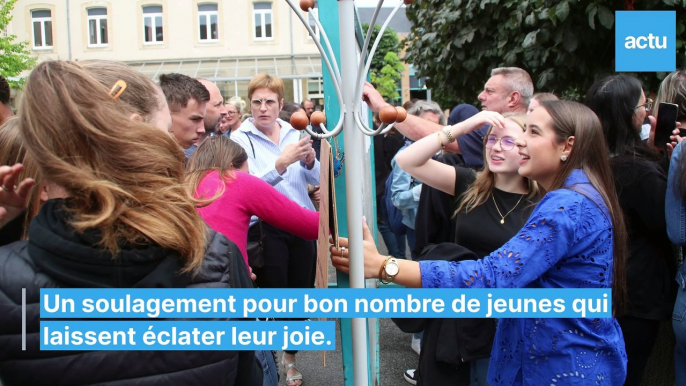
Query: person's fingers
point(4, 170)
point(340, 263)
point(339, 252)
point(25, 186)
point(343, 242)
point(9, 183)
point(366, 233)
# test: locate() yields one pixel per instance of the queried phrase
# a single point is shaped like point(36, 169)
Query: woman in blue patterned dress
point(575, 238)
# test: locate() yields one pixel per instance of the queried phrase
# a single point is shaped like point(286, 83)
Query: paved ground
point(395, 354)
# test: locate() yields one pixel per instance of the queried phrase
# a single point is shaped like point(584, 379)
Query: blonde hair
point(13, 151)
point(673, 90)
point(273, 83)
point(481, 189)
point(219, 154)
point(238, 103)
point(124, 177)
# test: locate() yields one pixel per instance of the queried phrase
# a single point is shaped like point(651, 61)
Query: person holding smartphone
point(280, 156)
point(621, 105)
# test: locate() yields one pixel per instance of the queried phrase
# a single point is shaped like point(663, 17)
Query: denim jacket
point(405, 191)
point(675, 210)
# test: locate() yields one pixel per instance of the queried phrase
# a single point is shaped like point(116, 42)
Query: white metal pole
point(354, 148)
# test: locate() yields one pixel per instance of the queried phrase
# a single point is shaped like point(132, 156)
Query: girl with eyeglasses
point(621, 105)
point(492, 205)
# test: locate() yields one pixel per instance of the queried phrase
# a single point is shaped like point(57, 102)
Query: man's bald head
point(215, 106)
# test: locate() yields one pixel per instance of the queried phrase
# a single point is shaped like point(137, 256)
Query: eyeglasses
point(648, 105)
point(506, 143)
point(233, 112)
point(257, 103)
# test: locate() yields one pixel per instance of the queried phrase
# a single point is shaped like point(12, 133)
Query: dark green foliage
point(565, 45)
point(386, 70)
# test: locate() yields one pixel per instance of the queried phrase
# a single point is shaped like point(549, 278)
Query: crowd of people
point(137, 184)
point(535, 192)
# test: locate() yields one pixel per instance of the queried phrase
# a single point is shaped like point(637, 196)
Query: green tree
point(14, 57)
point(565, 45)
point(385, 69)
point(387, 81)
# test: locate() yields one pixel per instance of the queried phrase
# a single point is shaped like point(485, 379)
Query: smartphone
point(666, 123)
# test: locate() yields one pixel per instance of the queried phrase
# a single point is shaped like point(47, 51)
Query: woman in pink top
point(218, 172)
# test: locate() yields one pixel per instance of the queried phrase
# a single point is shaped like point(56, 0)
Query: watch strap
point(382, 272)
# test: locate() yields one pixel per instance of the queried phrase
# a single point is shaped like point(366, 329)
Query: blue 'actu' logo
point(645, 41)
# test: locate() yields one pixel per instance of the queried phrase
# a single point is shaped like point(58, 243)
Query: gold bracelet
point(448, 134)
point(440, 141)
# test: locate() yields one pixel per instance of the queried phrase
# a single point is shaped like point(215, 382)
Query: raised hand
point(372, 97)
point(292, 153)
point(13, 196)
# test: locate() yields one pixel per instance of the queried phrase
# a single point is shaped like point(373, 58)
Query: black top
point(480, 230)
point(450, 343)
point(13, 230)
point(56, 256)
point(651, 265)
point(434, 221)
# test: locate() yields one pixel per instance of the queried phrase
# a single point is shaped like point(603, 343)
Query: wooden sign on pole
point(328, 222)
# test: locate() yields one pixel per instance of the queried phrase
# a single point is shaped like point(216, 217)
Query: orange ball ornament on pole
point(299, 120)
point(317, 118)
point(402, 114)
point(388, 114)
point(305, 5)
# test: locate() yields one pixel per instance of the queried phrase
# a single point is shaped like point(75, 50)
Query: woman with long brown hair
point(492, 206)
point(575, 238)
point(118, 216)
point(217, 174)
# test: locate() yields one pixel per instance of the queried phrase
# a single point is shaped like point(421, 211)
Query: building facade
point(226, 41)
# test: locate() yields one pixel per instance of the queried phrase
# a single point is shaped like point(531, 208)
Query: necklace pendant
point(502, 221)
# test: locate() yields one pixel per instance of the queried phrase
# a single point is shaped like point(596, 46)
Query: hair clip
point(117, 89)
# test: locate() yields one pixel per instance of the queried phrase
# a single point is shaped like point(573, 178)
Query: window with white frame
point(97, 27)
point(311, 16)
point(263, 21)
point(41, 19)
point(208, 20)
point(153, 32)
point(315, 88)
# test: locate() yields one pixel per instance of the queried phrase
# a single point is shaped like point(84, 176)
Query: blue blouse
point(566, 243)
